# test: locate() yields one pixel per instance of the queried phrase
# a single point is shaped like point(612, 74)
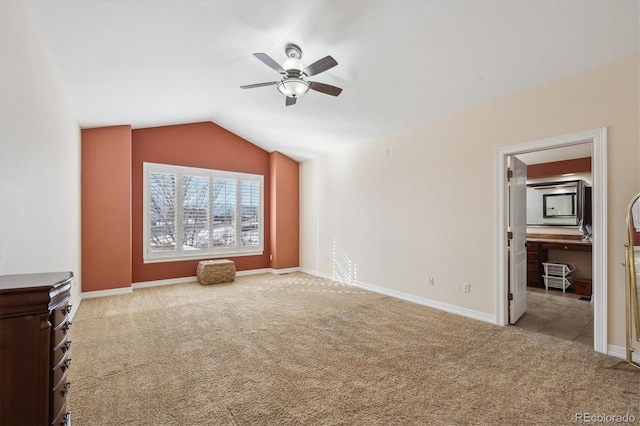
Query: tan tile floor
point(556, 314)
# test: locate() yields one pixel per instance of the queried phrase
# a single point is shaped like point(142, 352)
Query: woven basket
point(216, 271)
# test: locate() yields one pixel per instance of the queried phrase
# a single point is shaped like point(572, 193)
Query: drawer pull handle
point(66, 346)
point(66, 364)
point(65, 389)
point(66, 420)
point(67, 309)
point(66, 327)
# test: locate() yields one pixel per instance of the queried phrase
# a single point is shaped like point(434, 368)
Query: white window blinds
point(162, 211)
point(211, 212)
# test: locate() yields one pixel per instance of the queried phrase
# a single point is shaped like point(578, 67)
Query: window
point(194, 213)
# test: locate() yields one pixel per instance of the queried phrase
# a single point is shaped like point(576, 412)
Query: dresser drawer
point(60, 331)
point(63, 418)
point(59, 314)
point(58, 405)
point(533, 278)
point(582, 286)
point(60, 350)
point(59, 371)
point(566, 246)
point(58, 317)
point(61, 388)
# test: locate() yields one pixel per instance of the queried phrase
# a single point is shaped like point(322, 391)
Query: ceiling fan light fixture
point(293, 87)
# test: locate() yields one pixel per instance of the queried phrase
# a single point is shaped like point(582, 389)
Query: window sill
point(203, 256)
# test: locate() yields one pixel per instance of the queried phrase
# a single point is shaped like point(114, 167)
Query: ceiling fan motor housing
point(293, 67)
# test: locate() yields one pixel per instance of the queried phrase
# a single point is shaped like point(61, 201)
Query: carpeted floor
point(295, 349)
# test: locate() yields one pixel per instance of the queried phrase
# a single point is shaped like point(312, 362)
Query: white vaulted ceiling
point(151, 63)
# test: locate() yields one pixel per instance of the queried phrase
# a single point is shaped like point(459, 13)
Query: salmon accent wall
point(106, 208)
point(204, 145)
point(556, 168)
point(285, 211)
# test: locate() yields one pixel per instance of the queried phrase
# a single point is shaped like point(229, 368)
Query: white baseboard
point(74, 308)
point(181, 280)
point(254, 272)
point(285, 271)
point(104, 293)
point(157, 283)
point(469, 313)
point(465, 312)
point(317, 274)
point(620, 352)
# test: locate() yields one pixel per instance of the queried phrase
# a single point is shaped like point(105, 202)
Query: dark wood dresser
point(34, 348)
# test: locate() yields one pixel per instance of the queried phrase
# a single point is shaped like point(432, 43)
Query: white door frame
point(598, 138)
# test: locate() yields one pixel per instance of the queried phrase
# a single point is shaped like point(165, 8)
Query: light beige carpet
point(295, 349)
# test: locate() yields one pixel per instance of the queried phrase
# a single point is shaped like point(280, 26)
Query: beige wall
point(39, 156)
point(431, 209)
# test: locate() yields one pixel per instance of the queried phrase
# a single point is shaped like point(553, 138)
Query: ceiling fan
point(293, 83)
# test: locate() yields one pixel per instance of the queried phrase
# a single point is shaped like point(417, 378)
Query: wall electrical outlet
point(466, 287)
point(388, 151)
point(430, 280)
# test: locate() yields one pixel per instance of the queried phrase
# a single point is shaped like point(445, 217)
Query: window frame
point(179, 253)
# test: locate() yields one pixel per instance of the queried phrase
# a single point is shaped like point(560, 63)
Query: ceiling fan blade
point(270, 62)
point(320, 66)
point(325, 88)
point(251, 86)
point(291, 101)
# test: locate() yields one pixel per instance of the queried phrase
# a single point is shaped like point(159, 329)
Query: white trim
point(469, 313)
point(104, 293)
point(620, 352)
point(183, 280)
point(600, 241)
point(598, 138)
point(285, 271)
point(254, 272)
point(317, 274)
point(204, 256)
point(178, 253)
point(453, 309)
point(74, 308)
point(158, 283)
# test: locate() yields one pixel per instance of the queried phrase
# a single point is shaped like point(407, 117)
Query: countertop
point(560, 239)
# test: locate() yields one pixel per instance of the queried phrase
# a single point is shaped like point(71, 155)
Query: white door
point(517, 245)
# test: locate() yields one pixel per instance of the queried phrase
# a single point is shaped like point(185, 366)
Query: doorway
point(597, 138)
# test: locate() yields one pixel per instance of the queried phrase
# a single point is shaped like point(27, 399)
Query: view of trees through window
point(202, 211)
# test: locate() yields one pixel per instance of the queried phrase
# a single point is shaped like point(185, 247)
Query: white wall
point(39, 155)
point(431, 209)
